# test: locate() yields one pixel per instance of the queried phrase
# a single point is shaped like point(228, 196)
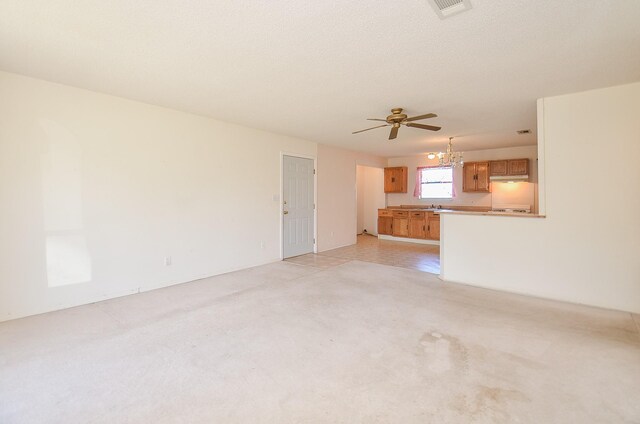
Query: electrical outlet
point(167, 260)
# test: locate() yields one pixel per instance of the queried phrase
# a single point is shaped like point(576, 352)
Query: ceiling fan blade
point(372, 128)
point(394, 133)
point(419, 117)
point(376, 119)
point(422, 126)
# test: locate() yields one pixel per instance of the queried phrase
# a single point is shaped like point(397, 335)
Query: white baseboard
point(531, 294)
point(43, 309)
point(409, 240)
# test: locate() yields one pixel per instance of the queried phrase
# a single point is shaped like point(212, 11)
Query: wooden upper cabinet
point(475, 177)
point(395, 179)
point(482, 176)
point(469, 176)
point(509, 167)
point(518, 167)
point(498, 167)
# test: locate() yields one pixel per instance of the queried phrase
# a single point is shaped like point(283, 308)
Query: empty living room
point(319, 212)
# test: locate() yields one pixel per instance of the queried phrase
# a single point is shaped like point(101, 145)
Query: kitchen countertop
point(434, 210)
point(412, 208)
point(438, 211)
point(491, 213)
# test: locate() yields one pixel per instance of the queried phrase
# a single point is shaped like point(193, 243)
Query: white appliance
point(511, 208)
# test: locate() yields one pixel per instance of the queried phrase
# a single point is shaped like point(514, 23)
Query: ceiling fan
point(398, 118)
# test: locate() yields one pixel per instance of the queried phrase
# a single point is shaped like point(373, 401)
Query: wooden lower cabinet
point(385, 225)
point(400, 223)
point(412, 224)
point(434, 228)
point(417, 225)
point(401, 227)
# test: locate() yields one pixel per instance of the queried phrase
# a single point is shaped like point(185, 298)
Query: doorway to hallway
point(369, 197)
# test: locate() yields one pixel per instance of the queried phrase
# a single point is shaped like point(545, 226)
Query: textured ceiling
point(317, 69)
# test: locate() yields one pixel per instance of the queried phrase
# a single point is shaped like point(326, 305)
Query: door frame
point(315, 199)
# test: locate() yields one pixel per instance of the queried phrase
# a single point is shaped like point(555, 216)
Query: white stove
point(510, 208)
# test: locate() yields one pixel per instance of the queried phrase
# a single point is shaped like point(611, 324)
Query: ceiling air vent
point(446, 8)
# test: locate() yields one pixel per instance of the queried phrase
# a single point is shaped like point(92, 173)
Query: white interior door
point(298, 206)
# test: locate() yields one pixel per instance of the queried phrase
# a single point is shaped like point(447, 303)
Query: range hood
point(509, 178)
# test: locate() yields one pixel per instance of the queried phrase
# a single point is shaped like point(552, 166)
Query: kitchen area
point(497, 182)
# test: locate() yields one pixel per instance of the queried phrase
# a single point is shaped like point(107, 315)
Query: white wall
point(360, 187)
point(374, 198)
point(337, 205)
point(462, 198)
point(371, 197)
point(587, 249)
point(513, 193)
point(96, 190)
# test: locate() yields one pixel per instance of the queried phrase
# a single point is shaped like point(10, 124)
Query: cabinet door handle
point(429, 228)
point(285, 212)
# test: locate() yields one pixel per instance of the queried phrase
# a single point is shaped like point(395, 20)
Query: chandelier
point(450, 158)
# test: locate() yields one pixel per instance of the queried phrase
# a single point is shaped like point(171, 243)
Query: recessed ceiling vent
point(446, 8)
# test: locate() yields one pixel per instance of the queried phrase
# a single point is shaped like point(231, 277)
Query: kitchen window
point(436, 182)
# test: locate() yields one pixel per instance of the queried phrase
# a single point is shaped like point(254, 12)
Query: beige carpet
point(353, 343)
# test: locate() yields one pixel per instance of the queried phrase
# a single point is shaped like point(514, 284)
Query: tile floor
point(317, 261)
point(385, 252)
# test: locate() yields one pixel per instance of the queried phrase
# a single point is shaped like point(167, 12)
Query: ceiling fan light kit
point(397, 118)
